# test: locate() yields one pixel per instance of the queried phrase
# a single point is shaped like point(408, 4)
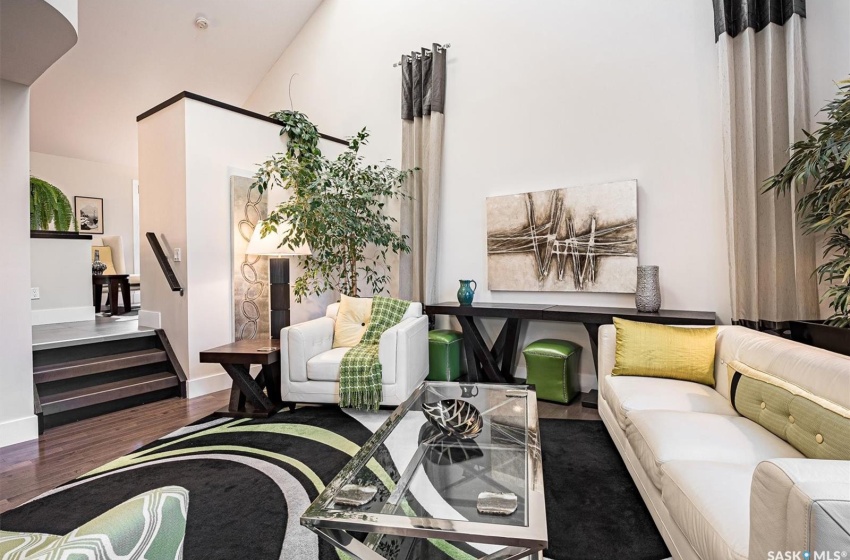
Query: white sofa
point(310, 364)
point(717, 484)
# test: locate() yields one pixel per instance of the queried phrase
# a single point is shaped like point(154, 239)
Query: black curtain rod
point(229, 107)
point(439, 47)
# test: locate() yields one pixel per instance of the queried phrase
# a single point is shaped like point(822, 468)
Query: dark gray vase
point(648, 293)
point(97, 267)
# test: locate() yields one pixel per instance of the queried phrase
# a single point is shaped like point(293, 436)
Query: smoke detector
point(202, 23)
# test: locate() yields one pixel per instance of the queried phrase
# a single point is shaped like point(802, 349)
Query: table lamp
point(271, 246)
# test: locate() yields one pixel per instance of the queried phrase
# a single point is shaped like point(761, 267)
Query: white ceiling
point(133, 54)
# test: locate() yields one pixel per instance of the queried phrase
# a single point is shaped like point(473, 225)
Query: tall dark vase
point(648, 293)
point(97, 267)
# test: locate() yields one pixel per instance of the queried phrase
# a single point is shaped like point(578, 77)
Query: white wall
point(113, 183)
point(61, 270)
point(828, 50)
point(17, 422)
point(185, 194)
point(542, 95)
point(162, 210)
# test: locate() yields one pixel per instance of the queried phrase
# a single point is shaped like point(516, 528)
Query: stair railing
point(162, 259)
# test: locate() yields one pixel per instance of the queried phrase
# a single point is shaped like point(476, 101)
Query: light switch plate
point(34, 293)
point(178, 254)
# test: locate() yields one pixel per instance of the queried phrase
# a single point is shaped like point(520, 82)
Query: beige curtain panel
point(423, 96)
point(764, 109)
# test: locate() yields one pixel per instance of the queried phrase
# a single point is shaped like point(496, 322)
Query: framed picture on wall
point(89, 214)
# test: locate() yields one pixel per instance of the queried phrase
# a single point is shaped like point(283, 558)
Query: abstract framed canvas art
point(88, 212)
point(575, 239)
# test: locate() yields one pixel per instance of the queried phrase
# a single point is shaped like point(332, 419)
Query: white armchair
point(310, 364)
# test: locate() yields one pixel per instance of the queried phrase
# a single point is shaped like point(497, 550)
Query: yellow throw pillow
point(105, 257)
point(351, 321)
point(649, 350)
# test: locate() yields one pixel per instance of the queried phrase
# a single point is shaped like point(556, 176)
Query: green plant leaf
point(49, 205)
point(337, 207)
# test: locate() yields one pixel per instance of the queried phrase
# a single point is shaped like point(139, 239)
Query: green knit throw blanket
point(360, 370)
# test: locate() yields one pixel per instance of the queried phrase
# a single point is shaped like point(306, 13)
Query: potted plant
point(337, 207)
point(49, 205)
point(819, 169)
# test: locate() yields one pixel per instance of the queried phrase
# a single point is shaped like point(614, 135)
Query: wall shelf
point(46, 234)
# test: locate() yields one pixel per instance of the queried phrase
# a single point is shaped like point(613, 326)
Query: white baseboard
point(587, 381)
point(62, 315)
point(18, 430)
point(151, 319)
point(206, 385)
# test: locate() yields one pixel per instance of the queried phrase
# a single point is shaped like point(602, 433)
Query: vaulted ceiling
point(133, 54)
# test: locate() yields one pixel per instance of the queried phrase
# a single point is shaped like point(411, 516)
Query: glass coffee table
point(423, 489)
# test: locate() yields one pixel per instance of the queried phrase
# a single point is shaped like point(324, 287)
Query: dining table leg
point(97, 296)
point(114, 288)
point(125, 294)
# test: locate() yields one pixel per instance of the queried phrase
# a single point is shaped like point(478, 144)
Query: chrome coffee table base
point(360, 551)
point(436, 491)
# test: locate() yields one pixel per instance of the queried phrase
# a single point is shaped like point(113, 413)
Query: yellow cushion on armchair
point(351, 321)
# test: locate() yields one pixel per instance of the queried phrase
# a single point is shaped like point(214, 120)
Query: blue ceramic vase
point(466, 292)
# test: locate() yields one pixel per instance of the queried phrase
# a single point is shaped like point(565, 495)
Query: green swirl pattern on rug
point(250, 480)
point(301, 452)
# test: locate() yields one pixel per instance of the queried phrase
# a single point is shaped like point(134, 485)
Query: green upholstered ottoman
point(444, 355)
point(553, 368)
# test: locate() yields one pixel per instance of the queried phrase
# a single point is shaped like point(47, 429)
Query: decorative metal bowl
point(454, 417)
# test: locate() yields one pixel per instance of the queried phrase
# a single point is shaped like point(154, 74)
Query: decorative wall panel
point(250, 272)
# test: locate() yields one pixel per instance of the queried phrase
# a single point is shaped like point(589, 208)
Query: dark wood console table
point(496, 364)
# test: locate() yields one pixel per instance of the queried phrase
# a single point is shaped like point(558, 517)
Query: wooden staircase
point(76, 382)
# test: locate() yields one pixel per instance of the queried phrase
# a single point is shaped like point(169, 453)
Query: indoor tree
point(49, 205)
point(335, 206)
point(819, 169)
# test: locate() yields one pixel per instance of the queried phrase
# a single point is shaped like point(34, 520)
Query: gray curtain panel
point(423, 94)
point(764, 108)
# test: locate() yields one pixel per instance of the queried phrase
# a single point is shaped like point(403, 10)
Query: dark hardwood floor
point(66, 452)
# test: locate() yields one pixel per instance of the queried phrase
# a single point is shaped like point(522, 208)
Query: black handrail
point(173, 282)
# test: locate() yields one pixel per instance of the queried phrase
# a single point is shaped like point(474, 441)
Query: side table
point(247, 398)
point(114, 283)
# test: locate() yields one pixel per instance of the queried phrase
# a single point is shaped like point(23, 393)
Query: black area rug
point(249, 481)
point(593, 509)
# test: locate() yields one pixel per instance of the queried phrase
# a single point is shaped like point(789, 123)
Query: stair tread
point(98, 364)
point(162, 379)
